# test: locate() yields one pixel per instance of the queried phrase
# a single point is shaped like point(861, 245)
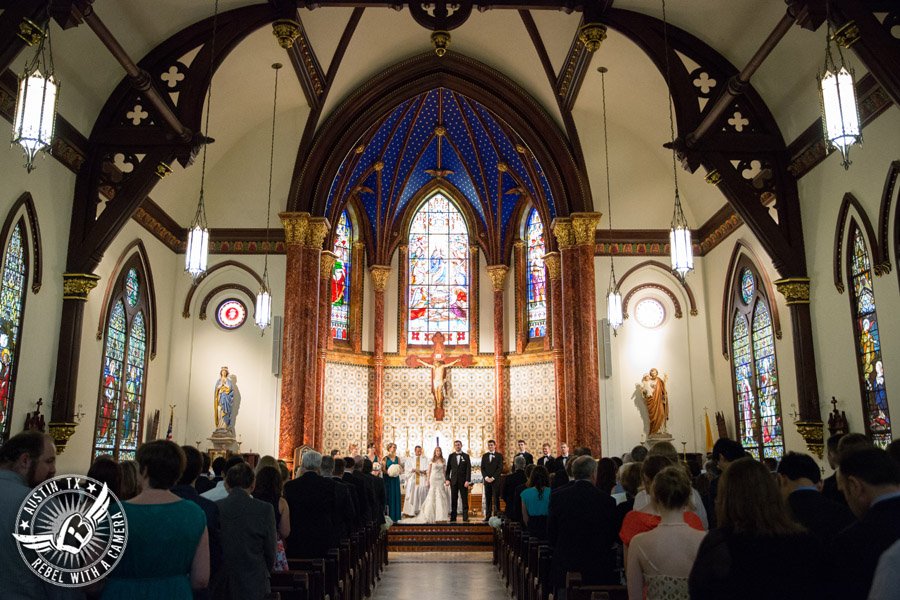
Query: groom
point(458, 473)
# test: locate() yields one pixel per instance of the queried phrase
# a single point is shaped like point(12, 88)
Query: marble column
point(325, 274)
point(308, 317)
point(568, 309)
point(473, 299)
point(555, 331)
point(521, 284)
point(358, 259)
point(380, 274)
point(498, 275)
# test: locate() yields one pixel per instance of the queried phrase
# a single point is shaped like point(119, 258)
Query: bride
point(437, 504)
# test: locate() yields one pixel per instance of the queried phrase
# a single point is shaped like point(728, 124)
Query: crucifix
point(439, 363)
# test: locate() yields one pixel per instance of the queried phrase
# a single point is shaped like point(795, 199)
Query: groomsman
point(546, 461)
point(458, 474)
point(563, 457)
point(524, 453)
point(491, 467)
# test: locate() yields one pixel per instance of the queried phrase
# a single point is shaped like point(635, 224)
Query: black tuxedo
point(491, 466)
point(529, 459)
point(346, 511)
point(581, 529)
point(548, 462)
point(559, 479)
point(513, 504)
point(380, 497)
point(562, 461)
point(369, 492)
point(857, 549)
point(830, 490)
point(822, 517)
point(364, 511)
point(354, 500)
point(459, 473)
point(315, 516)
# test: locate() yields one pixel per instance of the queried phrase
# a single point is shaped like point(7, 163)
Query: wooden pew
point(315, 570)
point(576, 591)
point(291, 585)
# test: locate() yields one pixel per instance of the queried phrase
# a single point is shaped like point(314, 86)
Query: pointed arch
point(26, 201)
point(13, 281)
point(849, 201)
point(741, 248)
point(186, 311)
point(884, 215)
point(135, 247)
point(341, 281)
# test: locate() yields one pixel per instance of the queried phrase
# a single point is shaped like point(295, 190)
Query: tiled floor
point(440, 576)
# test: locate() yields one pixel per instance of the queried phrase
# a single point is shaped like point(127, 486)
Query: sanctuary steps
point(441, 537)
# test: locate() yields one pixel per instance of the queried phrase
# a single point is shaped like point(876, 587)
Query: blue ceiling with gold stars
point(441, 134)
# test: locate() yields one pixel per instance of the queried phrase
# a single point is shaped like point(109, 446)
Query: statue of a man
point(653, 389)
point(223, 400)
point(439, 379)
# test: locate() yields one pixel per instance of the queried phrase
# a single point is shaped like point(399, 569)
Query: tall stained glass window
point(537, 280)
point(12, 298)
point(340, 279)
point(438, 273)
point(120, 406)
point(758, 407)
point(868, 344)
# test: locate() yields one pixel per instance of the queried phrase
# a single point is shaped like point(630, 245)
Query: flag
point(172, 414)
point(709, 438)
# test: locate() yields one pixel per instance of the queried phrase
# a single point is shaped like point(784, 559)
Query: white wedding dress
point(437, 504)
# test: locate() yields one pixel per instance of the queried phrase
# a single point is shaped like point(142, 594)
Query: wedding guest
point(535, 500)
point(204, 483)
point(491, 469)
point(248, 526)
point(886, 581)
point(724, 452)
point(392, 484)
point(131, 480)
point(218, 468)
point(517, 494)
point(378, 490)
point(266, 461)
point(660, 560)
point(510, 483)
point(606, 475)
point(546, 460)
point(364, 489)
point(347, 520)
point(337, 475)
point(829, 485)
point(106, 470)
point(283, 469)
point(695, 505)
point(638, 453)
point(313, 512)
point(268, 487)
point(523, 452)
point(158, 519)
point(219, 492)
point(630, 480)
point(798, 477)
point(753, 522)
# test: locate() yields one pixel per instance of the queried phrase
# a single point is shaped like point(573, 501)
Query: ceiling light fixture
point(37, 97)
point(613, 297)
point(264, 294)
point(837, 94)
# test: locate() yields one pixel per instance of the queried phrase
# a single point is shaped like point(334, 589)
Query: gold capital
point(813, 434)
point(286, 31)
point(61, 432)
point(592, 35)
point(316, 231)
point(519, 244)
point(326, 266)
point(294, 224)
point(562, 229)
point(498, 276)
point(77, 286)
point(584, 225)
point(554, 264)
point(380, 274)
point(794, 289)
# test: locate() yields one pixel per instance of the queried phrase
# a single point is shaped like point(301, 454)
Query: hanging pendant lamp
point(38, 94)
point(837, 94)
point(264, 294)
point(613, 297)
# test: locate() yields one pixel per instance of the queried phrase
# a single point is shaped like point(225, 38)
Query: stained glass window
point(757, 402)
point(438, 273)
point(120, 406)
point(231, 313)
point(340, 279)
point(868, 344)
point(649, 313)
point(12, 294)
point(537, 280)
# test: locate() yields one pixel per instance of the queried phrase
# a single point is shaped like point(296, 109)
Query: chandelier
point(613, 297)
point(837, 94)
point(264, 294)
point(36, 101)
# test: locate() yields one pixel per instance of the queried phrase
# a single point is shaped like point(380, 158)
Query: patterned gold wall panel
point(532, 408)
point(348, 389)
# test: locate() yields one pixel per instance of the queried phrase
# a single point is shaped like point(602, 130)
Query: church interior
point(488, 171)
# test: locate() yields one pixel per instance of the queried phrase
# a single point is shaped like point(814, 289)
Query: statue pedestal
point(655, 438)
point(223, 440)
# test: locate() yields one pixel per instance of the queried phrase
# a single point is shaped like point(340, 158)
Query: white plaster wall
point(391, 304)
point(368, 317)
point(485, 308)
point(509, 311)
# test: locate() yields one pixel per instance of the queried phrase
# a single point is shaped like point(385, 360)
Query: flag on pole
point(172, 414)
point(709, 438)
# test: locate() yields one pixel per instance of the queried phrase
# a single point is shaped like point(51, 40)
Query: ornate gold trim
point(592, 35)
point(502, 167)
point(554, 265)
point(498, 275)
point(163, 170)
point(794, 289)
point(30, 32)
point(294, 224)
point(441, 41)
point(813, 434)
point(77, 286)
point(316, 230)
point(61, 432)
point(565, 235)
point(713, 177)
point(380, 274)
point(378, 166)
point(286, 31)
point(326, 266)
point(585, 225)
point(847, 35)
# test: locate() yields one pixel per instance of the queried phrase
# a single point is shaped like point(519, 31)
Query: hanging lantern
point(614, 307)
point(197, 248)
point(837, 93)
point(263, 305)
point(680, 247)
point(35, 115)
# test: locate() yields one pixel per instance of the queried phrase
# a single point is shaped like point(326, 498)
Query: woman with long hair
point(392, 483)
point(536, 502)
point(437, 503)
point(754, 524)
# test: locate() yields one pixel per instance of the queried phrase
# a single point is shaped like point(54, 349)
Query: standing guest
point(724, 452)
point(870, 480)
point(606, 475)
point(535, 500)
point(491, 469)
point(580, 528)
point(204, 482)
point(392, 484)
point(563, 476)
point(167, 554)
point(638, 453)
point(799, 479)
point(26, 460)
point(753, 522)
point(660, 560)
point(106, 470)
point(285, 472)
point(630, 480)
point(510, 483)
point(219, 492)
point(337, 475)
point(523, 452)
point(334, 452)
point(218, 468)
point(416, 483)
point(248, 526)
point(546, 460)
point(459, 478)
point(563, 457)
point(266, 461)
point(346, 512)
point(517, 494)
point(893, 451)
point(695, 505)
point(378, 490)
point(887, 575)
point(268, 487)
point(830, 487)
point(131, 479)
point(193, 462)
point(315, 524)
point(364, 488)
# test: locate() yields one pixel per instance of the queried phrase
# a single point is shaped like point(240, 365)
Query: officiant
point(416, 469)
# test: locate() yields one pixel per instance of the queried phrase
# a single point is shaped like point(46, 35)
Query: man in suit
point(375, 514)
point(350, 478)
point(799, 479)
point(459, 475)
point(248, 525)
point(523, 452)
point(313, 503)
point(337, 473)
point(204, 482)
point(830, 487)
point(346, 511)
point(581, 528)
point(510, 483)
point(563, 457)
point(491, 468)
point(870, 480)
point(378, 488)
point(546, 460)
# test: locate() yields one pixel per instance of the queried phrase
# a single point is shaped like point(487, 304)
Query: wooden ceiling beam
point(307, 68)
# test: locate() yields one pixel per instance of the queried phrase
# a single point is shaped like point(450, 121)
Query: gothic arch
point(186, 311)
point(878, 253)
point(35, 235)
point(135, 247)
point(884, 216)
point(741, 248)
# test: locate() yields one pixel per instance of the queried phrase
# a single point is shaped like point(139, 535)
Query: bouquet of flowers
point(494, 522)
point(393, 471)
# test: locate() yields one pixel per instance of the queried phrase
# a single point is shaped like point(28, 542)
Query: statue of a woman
point(223, 400)
point(653, 389)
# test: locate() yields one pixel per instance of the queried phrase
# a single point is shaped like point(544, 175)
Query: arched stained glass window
point(757, 401)
point(438, 273)
point(340, 279)
point(537, 279)
point(12, 298)
point(120, 405)
point(868, 343)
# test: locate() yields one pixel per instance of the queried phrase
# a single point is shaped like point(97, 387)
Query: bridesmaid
point(392, 483)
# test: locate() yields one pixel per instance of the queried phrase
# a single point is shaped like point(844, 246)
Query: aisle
point(440, 576)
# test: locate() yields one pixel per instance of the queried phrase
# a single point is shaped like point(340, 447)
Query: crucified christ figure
point(439, 363)
point(438, 379)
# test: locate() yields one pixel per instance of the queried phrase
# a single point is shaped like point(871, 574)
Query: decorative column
point(475, 272)
point(796, 294)
point(498, 283)
point(403, 276)
point(326, 266)
point(565, 241)
point(76, 287)
point(291, 421)
point(521, 287)
point(584, 226)
point(316, 230)
point(552, 260)
point(380, 274)
point(357, 260)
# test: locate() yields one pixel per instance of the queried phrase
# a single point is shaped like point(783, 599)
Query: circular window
point(231, 314)
point(649, 313)
point(748, 286)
